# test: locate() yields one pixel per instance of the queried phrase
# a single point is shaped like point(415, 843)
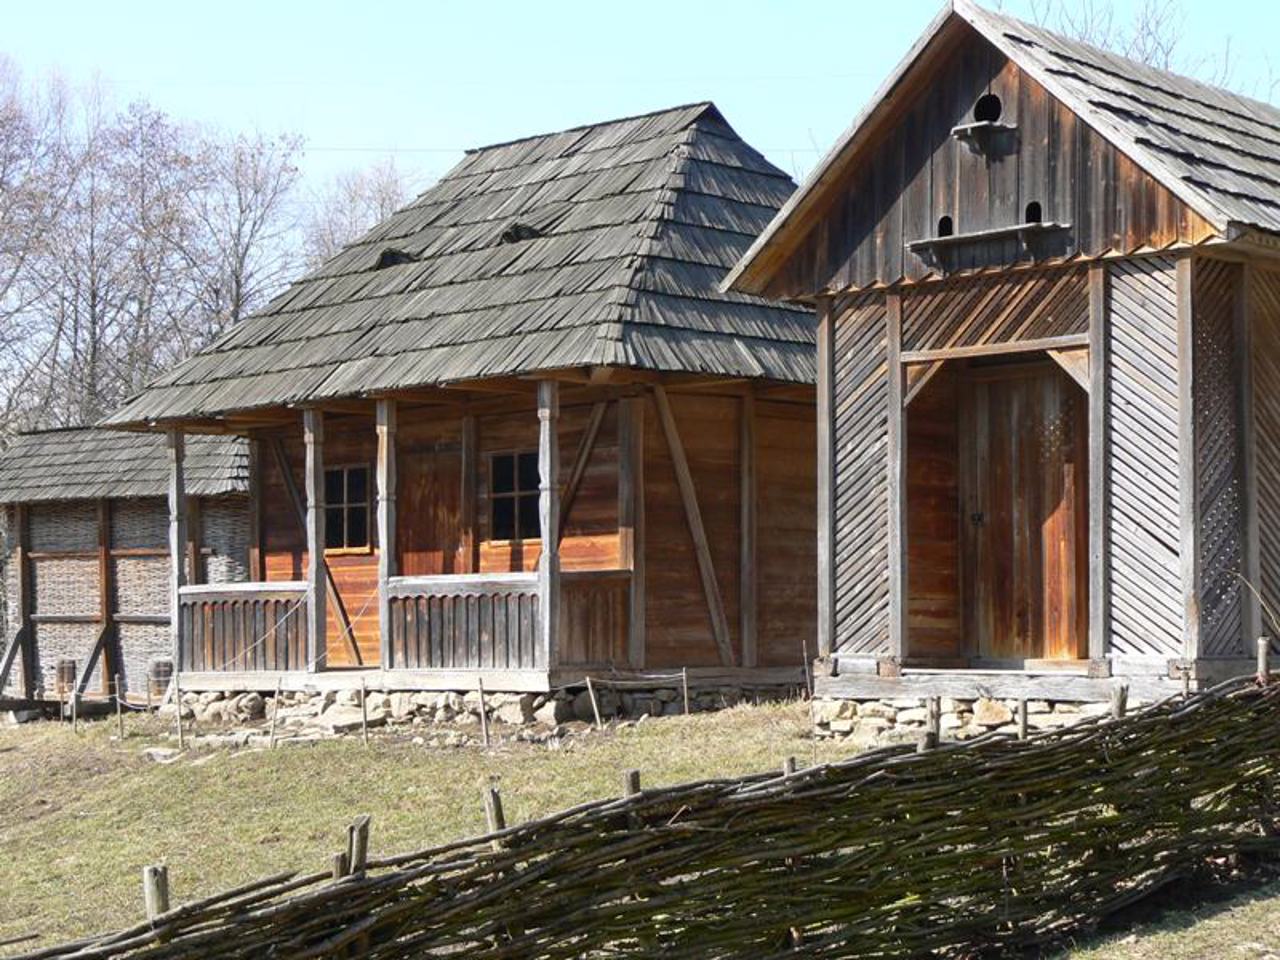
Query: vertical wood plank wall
point(1219, 476)
point(1145, 614)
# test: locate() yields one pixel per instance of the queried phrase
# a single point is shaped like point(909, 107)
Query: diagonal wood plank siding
point(1219, 508)
point(861, 477)
point(1265, 355)
point(1142, 480)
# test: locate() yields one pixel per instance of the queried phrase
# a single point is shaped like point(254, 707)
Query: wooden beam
point(106, 592)
point(826, 478)
point(1075, 360)
point(387, 566)
point(1251, 611)
point(914, 389)
point(580, 462)
point(992, 349)
point(1098, 466)
point(257, 570)
point(195, 534)
point(300, 511)
point(631, 519)
point(693, 517)
point(31, 679)
point(1188, 555)
point(747, 503)
point(317, 567)
point(897, 455)
point(99, 647)
point(470, 541)
point(177, 539)
point(548, 520)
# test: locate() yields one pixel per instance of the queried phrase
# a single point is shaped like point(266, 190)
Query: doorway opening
point(996, 513)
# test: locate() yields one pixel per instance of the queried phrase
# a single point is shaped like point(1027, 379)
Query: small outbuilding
point(516, 435)
point(86, 568)
point(1048, 286)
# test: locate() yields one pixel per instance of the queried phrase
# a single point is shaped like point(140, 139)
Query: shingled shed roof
point(88, 464)
point(601, 245)
point(1217, 151)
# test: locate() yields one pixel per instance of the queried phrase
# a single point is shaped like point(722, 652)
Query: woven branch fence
point(990, 845)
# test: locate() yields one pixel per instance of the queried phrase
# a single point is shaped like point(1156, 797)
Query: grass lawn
point(80, 815)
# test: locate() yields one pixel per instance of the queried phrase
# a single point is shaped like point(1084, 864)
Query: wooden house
point(1048, 291)
point(86, 553)
point(515, 434)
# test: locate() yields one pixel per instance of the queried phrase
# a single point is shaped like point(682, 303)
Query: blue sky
point(422, 80)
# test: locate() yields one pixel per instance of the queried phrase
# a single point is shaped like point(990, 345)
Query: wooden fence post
point(1022, 719)
point(631, 783)
point(493, 813)
point(684, 685)
point(788, 766)
point(358, 844)
point(484, 712)
point(275, 713)
point(364, 712)
point(155, 890)
point(595, 707)
point(1264, 653)
point(119, 710)
point(1119, 702)
point(933, 717)
point(177, 711)
point(339, 865)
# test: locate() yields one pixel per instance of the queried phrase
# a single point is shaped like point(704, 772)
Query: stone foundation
point(870, 723)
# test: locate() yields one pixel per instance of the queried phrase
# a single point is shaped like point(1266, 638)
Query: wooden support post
point(933, 716)
point(1264, 654)
point(470, 542)
point(788, 766)
point(155, 890)
point(1188, 553)
point(1098, 466)
point(493, 814)
point(684, 688)
point(595, 706)
point(106, 594)
point(1247, 451)
point(317, 608)
point(21, 640)
point(358, 844)
point(630, 783)
point(747, 499)
point(631, 519)
point(177, 541)
point(693, 517)
point(484, 711)
point(897, 456)
point(386, 426)
point(548, 521)
point(928, 740)
point(177, 711)
point(826, 478)
point(195, 536)
point(257, 570)
point(1119, 701)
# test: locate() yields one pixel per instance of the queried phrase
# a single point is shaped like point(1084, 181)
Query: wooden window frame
point(515, 494)
point(347, 550)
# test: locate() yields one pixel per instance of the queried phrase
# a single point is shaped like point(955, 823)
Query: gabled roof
point(85, 463)
point(1216, 151)
point(601, 245)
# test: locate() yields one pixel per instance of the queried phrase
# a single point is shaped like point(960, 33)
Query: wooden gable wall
point(916, 172)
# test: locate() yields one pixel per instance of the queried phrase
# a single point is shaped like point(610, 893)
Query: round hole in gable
point(1035, 214)
point(946, 227)
point(988, 108)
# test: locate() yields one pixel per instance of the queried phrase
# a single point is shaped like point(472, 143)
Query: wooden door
point(1024, 515)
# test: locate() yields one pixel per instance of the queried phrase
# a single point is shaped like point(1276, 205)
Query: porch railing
point(465, 621)
point(243, 627)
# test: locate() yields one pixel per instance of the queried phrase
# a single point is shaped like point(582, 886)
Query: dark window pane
point(504, 474)
point(528, 471)
point(358, 485)
point(529, 526)
point(333, 528)
point(357, 526)
point(504, 519)
point(333, 486)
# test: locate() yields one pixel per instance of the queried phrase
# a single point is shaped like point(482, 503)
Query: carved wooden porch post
point(313, 434)
point(386, 523)
point(177, 540)
point(548, 519)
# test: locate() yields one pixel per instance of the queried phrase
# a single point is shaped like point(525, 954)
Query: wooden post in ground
point(1022, 719)
point(119, 710)
point(339, 865)
point(630, 783)
point(364, 712)
point(933, 716)
point(684, 685)
point(788, 766)
point(493, 814)
point(275, 713)
point(595, 707)
point(1119, 702)
point(155, 890)
point(484, 711)
point(358, 844)
point(177, 711)
point(75, 710)
point(1264, 653)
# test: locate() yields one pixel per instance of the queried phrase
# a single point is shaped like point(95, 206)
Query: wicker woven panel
point(141, 585)
point(57, 641)
point(140, 524)
point(225, 523)
point(861, 430)
point(65, 586)
point(64, 526)
point(142, 644)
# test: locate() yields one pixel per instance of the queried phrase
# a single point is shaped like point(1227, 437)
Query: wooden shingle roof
point(602, 245)
point(88, 463)
point(1217, 151)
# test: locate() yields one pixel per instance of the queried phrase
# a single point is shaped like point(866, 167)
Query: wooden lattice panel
point(1265, 357)
point(1219, 504)
point(861, 432)
point(1144, 579)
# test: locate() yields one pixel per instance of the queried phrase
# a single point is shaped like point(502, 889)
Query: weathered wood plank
point(176, 445)
point(386, 534)
point(631, 522)
point(1096, 365)
point(317, 580)
point(748, 601)
point(897, 483)
point(548, 519)
point(1188, 554)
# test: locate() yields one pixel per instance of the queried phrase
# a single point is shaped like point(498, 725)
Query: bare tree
point(348, 206)
point(1152, 35)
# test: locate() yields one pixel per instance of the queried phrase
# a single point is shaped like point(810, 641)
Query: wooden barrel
point(66, 677)
point(159, 676)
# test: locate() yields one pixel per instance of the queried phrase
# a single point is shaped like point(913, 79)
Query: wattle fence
point(993, 844)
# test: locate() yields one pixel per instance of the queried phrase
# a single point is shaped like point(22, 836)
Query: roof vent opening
point(946, 226)
point(393, 257)
point(1035, 213)
point(518, 231)
point(988, 108)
